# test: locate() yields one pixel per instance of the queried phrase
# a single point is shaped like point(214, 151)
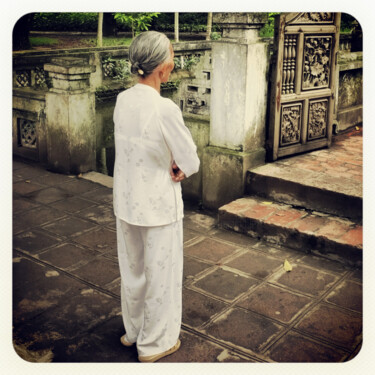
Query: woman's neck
point(151, 80)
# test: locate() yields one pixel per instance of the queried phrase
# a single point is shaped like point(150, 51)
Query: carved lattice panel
point(303, 82)
point(317, 123)
point(290, 131)
point(317, 62)
point(40, 76)
point(27, 133)
point(23, 78)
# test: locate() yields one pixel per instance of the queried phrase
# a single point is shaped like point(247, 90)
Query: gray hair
point(147, 51)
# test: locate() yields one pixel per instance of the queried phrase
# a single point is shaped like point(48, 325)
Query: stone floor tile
point(70, 226)
point(25, 188)
point(28, 172)
point(194, 349)
point(101, 345)
point(277, 251)
point(306, 280)
point(85, 310)
point(210, 249)
point(34, 241)
point(275, 303)
point(190, 234)
point(72, 204)
point(21, 204)
point(100, 195)
point(99, 214)
point(323, 264)
point(49, 195)
point(244, 328)
point(225, 284)
point(348, 294)
point(66, 255)
point(99, 271)
point(101, 239)
point(35, 217)
point(295, 347)
point(198, 309)
point(233, 237)
point(332, 324)
point(255, 263)
point(199, 222)
point(193, 267)
point(52, 179)
point(38, 288)
point(79, 186)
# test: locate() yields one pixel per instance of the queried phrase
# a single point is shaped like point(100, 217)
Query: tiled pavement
point(239, 304)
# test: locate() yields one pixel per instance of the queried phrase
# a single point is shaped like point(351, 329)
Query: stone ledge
point(312, 232)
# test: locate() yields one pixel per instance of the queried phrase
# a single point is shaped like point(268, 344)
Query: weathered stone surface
point(225, 284)
point(99, 271)
point(198, 309)
point(209, 249)
point(306, 280)
point(102, 240)
point(348, 294)
point(66, 255)
point(297, 348)
point(69, 226)
point(34, 241)
point(256, 264)
point(334, 325)
point(193, 267)
point(251, 331)
point(275, 303)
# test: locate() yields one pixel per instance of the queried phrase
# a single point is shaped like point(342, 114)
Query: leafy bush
point(65, 22)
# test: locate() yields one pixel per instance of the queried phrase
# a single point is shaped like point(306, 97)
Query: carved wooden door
point(303, 82)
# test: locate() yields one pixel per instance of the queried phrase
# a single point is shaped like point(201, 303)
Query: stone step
point(309, 231)
point(332, 193)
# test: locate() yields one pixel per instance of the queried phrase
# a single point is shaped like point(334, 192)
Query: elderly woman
point(154, 152)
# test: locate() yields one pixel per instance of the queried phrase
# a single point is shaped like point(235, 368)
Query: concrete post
point(70, 116)
point(238, 107)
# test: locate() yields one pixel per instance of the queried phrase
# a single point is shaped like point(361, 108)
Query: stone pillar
point(70, 116)
point(238, 107)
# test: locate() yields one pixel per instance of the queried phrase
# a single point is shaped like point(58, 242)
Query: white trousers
point(151, 265)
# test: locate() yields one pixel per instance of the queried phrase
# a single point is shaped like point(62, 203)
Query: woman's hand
point(176, 173)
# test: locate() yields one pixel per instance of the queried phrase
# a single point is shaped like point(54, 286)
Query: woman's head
point(148, 51)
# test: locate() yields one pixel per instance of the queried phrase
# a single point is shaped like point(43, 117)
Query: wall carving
point(318, 17)
point(290, 127)
point(317, 125)
point(316, 60)
point(289, 64)
point(27, 133)
point(23, 78)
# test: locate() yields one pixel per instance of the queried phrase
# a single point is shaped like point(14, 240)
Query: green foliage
point(116, 69)
point(65, 21)
point(185, 63)
point(42, 41)
point(136, 21)
point(268, 29)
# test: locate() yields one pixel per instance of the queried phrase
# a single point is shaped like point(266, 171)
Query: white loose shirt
point(149, 134)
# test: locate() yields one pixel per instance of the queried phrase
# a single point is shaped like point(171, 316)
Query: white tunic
point(149, 134)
